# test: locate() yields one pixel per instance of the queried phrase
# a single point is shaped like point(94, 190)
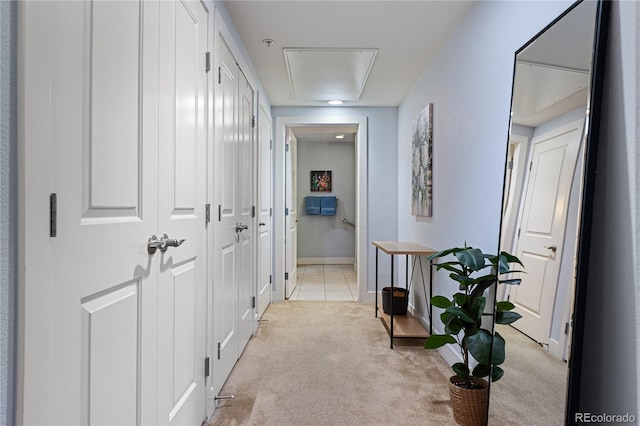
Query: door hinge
point(566, 328)
point(286, 275)
point(206, 367)
point(286, 147)
point(53, 215)
point(271, 144)
point(219, 349)
point(270, 279)
point(253, 211)
point(253, 121)
point(510, 165)
point(207, 213)
point(530, 165)
point(219, 212)
point(253, 302)
point(270, 211)
point(207, 62)
point(219, 75)
point(286, 211)
point(519, 232)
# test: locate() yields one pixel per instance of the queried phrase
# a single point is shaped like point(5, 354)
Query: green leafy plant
point(463, 313)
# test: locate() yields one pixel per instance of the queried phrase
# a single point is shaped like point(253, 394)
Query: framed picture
point(422, 167)
point(321, 181)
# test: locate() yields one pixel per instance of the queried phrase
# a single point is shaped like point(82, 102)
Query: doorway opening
point(342, 230)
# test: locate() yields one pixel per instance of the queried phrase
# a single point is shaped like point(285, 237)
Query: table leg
point(430, 296)
point(391, 305)
point(376, 282)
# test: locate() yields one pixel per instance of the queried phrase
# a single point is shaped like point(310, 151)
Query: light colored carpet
point(329, 363)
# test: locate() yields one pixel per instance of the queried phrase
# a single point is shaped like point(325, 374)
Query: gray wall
point(382, 170)
point(470, 84)
point(327, 236)
point(610, 369)
point(8, 209)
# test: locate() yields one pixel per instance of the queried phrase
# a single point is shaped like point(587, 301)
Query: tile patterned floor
point(325, 282)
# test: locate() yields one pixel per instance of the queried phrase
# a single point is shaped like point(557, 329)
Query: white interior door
point(182, 185)
point(246, 175)
point(264, 212)
point(97, 349)
point(542, 227)
point(291, 216)
point(225, 291)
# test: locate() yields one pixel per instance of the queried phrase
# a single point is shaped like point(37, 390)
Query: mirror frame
point(593, 115)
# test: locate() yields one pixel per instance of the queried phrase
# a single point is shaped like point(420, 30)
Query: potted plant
point(463, 326)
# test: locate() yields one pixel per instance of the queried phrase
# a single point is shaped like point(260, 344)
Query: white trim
point(282, 123)
point(326, 260)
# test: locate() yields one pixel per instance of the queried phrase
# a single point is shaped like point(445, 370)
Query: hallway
point(326, 282)
point(329, 363)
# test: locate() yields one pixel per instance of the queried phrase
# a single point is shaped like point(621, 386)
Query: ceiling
point(406, 34)
point(325, 133)
point(552, 73)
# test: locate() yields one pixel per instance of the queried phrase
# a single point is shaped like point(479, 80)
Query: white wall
point(327, 236)
point(469, 83)
point(382, 171)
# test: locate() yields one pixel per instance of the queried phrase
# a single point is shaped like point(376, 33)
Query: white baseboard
point(326, 260)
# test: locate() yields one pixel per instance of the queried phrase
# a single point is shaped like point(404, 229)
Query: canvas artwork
point(321, 181)
point(422, 158)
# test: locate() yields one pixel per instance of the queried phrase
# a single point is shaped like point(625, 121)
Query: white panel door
point(90, 328)
point(291, 219)
point(264, 212)
point(182, 199)
point(103, 337)
point(225, 291)
point(246, 175)
point(542, 227)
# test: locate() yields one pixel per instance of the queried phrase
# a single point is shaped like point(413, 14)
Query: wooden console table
point(407, 326)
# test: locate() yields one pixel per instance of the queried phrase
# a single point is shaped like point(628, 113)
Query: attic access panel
point(327, 74)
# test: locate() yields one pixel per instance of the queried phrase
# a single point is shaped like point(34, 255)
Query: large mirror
point(546, 213)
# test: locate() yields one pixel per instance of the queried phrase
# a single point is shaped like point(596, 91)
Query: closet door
point(246, 175)
point(227, 229)
point(90, 321)
point(264, 183)
point(113, 330)
point(181, 204)
point(234, 252)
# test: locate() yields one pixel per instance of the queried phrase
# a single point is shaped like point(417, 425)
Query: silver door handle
point(153, 243)
point(170, 242)
point(241, 227)
point(553, 248)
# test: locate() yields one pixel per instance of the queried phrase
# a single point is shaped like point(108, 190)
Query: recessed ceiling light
point(335, 102)
point(339, 136)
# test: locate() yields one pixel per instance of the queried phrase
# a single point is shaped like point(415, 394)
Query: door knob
point(241, 227)
point(170, 242)
point(153, 244)
point(553, 248)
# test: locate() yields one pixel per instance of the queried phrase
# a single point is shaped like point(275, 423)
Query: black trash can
point(400, 300)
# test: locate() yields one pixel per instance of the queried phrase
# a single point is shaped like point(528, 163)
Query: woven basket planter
point(469, 405)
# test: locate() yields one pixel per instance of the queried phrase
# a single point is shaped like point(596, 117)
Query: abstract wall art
point(422, 167)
